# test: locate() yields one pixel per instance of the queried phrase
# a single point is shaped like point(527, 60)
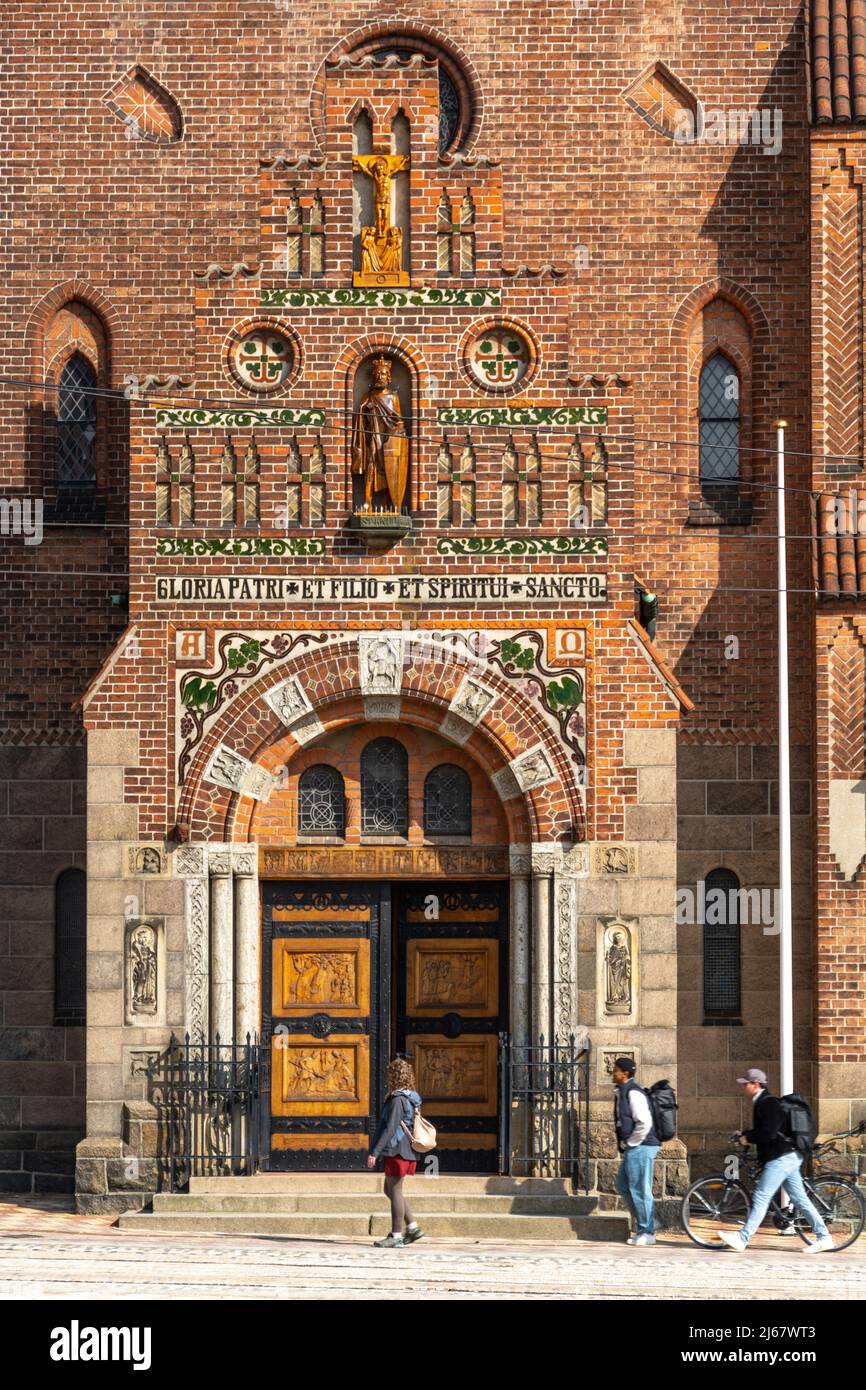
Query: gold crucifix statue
point(381, 244)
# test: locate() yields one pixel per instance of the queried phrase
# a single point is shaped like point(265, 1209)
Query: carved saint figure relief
point(148, 861)
point(381, 244)
point(617, 972)
point(473, 701)
point(142, 973)
point(381, 665)
point(325, 1073)
point(321, 978)
point(457, 978)
point(452, 1073)
point(380, 444)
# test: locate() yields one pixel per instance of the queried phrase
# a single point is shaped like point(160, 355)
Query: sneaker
point(645, 1240)
point(412, 1234)
point(823, 1243)
point(632, 1240)
point(391, 1242)
point(789, 1230)
point(734, 1239)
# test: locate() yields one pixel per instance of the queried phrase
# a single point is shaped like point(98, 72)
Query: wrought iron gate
point(213, 1098)
point(544, 1109)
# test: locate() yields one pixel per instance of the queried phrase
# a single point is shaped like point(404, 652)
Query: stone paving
point(48, 1252)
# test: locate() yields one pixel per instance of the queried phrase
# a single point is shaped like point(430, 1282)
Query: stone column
point(520, 1001)
point(542, 884)
point(246, 948)
point(221, 947)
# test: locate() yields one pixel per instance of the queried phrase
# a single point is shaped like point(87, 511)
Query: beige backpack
point(422, 1135)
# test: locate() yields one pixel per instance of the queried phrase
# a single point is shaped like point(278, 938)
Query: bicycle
point(721, 1202)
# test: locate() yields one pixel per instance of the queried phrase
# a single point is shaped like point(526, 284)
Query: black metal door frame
point(451, 1024)
point(377, 1025)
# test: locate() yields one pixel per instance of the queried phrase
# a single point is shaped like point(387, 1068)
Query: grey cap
point(753, 1074)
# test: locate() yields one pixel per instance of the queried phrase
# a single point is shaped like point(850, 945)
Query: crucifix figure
point(381, 244)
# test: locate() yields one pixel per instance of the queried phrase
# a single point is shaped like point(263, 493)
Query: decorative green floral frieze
point(517, 415)
point(522, 545)
point(238, 417)
point(366, 298)
point(271, 546)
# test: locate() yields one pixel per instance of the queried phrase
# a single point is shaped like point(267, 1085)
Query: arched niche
point(403, 385)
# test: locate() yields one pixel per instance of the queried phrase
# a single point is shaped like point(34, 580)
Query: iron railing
point(544, 1108)
point(213, 1101)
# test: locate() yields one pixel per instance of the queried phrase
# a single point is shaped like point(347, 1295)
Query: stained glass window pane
point(722, 944)
point(720, 421)
point(384, 788)
point(447, 801)
point(76, 423)
point(321, 801)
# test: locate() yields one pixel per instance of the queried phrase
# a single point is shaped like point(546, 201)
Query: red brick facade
point(169, 178)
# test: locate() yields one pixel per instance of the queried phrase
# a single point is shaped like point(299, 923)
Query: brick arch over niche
point(330, 679)
point(400, 33)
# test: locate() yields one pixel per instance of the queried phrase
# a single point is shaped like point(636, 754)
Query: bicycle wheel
point(841, 1206)
point(712, 1205)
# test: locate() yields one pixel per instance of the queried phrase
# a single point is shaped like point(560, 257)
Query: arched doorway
point(390, 938)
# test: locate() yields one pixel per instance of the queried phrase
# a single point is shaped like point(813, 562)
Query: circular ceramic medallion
point(263, 359)
point(499, 358)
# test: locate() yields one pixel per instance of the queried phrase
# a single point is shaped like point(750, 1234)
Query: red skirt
point(399, 1167)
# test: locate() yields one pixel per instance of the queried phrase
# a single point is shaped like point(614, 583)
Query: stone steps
point(478, 1207)
point(428, 1203)
point(467, 1225)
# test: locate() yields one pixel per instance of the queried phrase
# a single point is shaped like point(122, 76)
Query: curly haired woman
point(391, 1141)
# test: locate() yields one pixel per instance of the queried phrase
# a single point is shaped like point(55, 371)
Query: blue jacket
point(391, 1139)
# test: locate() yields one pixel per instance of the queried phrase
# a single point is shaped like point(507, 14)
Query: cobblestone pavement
point(48, 1252)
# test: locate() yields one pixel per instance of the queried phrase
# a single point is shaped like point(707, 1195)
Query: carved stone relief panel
point(617, 971)
point(144, 971)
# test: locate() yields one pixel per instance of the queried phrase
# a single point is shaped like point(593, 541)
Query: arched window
point(720, 421)
point(721, 944)
point(447, 801)
point(384, 788)
point(455, 113)
point(70, 946)
point(321, 801)
point(76, 424)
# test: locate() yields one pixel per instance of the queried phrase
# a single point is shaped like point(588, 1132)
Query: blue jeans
point(784, 1171)
point(634, 1182)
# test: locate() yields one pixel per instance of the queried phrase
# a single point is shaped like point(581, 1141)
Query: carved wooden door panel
point(325, 977)
point(452, 986)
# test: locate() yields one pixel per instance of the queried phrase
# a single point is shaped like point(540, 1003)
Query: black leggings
point(400, 1210)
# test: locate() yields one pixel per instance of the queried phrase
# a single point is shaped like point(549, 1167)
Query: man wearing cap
point(780, 1162)
point(638, 1143)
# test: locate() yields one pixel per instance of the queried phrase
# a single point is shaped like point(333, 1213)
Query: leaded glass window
point(722, 944)
point(321, 801)
point(447, 801)
point(720, 421)
point(70, 937)
point(76, 423)
point(384, 788)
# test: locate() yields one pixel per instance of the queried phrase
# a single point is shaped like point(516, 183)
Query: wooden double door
point(356, 973)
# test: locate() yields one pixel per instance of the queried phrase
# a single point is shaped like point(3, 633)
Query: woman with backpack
point(392, 1141)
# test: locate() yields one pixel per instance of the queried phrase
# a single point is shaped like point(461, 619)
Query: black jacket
point(765, 1135)
point(391, 1139)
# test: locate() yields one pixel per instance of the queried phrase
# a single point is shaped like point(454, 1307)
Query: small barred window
point(321, 801)
point(447, 801)
point(384, 788)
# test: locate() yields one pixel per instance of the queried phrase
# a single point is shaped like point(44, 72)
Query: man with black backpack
point(638, 1142)
point(775, 1137)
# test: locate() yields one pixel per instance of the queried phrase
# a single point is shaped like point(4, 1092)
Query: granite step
point(466, 1225)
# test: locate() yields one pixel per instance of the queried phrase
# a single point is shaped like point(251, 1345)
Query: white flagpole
point(786, 976)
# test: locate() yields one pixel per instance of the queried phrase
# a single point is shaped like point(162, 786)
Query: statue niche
point(381, 204)
point(380, 451)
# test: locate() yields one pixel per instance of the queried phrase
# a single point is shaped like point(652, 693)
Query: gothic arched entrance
point(390, 937)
